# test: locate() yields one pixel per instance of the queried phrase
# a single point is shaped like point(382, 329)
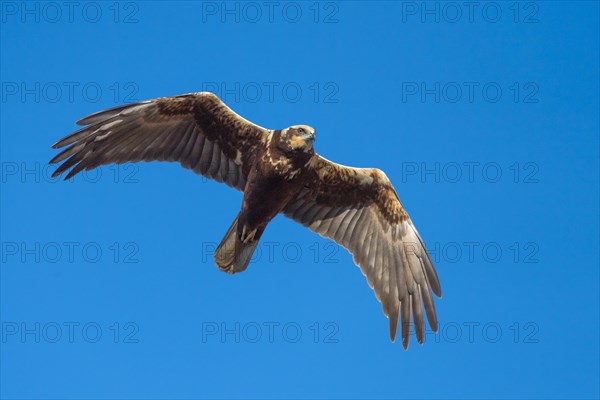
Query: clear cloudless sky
point(484, 116)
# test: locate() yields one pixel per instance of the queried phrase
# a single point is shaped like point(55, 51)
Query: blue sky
point(485, 119)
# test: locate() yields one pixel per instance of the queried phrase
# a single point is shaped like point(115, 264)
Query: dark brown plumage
point(279, 172)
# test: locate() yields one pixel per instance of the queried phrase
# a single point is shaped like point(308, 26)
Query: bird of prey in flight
point(279, 172)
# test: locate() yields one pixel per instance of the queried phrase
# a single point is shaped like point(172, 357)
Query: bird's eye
point(301, 131)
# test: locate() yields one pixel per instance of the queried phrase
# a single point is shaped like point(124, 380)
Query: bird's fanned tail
point(233, 255)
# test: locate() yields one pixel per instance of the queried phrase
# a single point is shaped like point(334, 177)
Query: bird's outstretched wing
point(197, 130)
point(360, 210)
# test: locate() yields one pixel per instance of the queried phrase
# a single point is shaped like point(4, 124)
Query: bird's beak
point(309, 135)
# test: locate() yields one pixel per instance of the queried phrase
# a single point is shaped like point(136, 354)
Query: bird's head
point(297, 138)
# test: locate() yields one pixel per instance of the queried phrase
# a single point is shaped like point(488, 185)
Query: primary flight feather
point(279, 172)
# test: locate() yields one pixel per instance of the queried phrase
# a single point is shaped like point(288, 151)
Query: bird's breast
point(266, 196)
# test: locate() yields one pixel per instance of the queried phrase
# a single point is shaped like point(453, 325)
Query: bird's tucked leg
point(247, 235)
point(235, 250)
